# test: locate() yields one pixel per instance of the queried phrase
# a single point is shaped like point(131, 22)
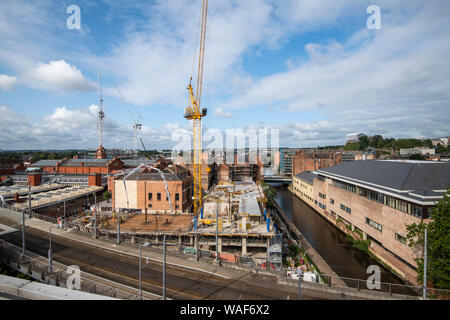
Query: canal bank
point(312, 254)
point(330, 243)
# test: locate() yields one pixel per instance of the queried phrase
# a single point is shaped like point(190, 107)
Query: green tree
point(438, 249)
point(269, 192)
point(107, 195)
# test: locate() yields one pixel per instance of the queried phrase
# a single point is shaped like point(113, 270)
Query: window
point(150, 205)
point(150, 196)
point(400, 238)
point(374, 224)
point(177, 196)
point(177, 206)
point(331, 201)
point(348, 210)
point(158, 197)
point(342, 207)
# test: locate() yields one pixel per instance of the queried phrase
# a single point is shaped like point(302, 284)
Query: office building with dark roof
point(378, 199)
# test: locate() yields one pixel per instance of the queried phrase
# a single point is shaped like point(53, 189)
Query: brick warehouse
point(378, 199)
point(79, 166)
point(314, 160)
point(147, 193)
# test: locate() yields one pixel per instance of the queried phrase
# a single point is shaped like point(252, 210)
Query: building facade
point(146, 191)
point(378, 199)
point(314, 160)
point(303, 186)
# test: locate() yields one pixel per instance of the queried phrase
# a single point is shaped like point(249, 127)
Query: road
point(181, 283)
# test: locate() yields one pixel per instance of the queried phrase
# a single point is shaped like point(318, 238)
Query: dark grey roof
point(86, 162)
point(307, 176)
point(421, 178)
point(45, 163)
point(137, 162)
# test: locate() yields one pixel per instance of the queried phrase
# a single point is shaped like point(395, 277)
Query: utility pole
point(65, 217)
point(424, 294)
point(95, 216)
point(140, 271)
point(29, 199)
point(196, 237)
point(118, 228)
point(23, 232)
point(141, 267)
point(217, 230)
point(50, 254)
point(164, 269)
point(300, 276)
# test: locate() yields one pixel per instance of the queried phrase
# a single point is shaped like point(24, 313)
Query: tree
point(107, 195)
point(269, 192)
point(438, 249)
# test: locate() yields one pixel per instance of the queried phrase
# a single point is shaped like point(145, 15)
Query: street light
point(300, 276)
point(141, 267)
point(50, 254)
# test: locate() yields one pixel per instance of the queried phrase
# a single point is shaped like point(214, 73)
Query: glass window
point(177, 196)
point(158, 197)
point(150, 196)
point(400, 238)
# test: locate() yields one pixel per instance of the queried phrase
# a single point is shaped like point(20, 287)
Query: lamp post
point(23, 232)
point(141, 267)
point(424, 293)
point(50, 254)
point(217, 230)
point(164, 269)
point(300, 276)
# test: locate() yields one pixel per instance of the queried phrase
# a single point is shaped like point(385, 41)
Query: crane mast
point(101, 114)
point(195, 113)
point(136, 126)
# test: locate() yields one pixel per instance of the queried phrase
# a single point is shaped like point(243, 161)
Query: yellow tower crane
point(195, 113)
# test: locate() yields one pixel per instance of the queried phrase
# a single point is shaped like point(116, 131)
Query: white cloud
point(7, 83)
point(57, 75)
point(222, 114)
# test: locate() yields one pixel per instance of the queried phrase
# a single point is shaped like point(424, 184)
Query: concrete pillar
point(191, 240)
point(364, 236)
point(244, 246)
point(353, 227)
point(179, 239)
point(133, 240)
point(220, 244)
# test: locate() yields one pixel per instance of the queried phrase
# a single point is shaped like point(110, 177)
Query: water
point(329, 242)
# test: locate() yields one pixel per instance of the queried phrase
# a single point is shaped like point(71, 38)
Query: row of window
point(158, 196)
point(176, 206)
point(321, 195)
point(374, 224)
point(389, 201)
point(346, 209)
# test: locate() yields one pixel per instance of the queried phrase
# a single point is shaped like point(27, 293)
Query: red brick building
point(79, 166)
point(146, 190)
point(314, 160)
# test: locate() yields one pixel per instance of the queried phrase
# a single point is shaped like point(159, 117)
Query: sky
point(311, 70)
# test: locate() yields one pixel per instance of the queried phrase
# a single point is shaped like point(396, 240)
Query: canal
point(328, 241)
